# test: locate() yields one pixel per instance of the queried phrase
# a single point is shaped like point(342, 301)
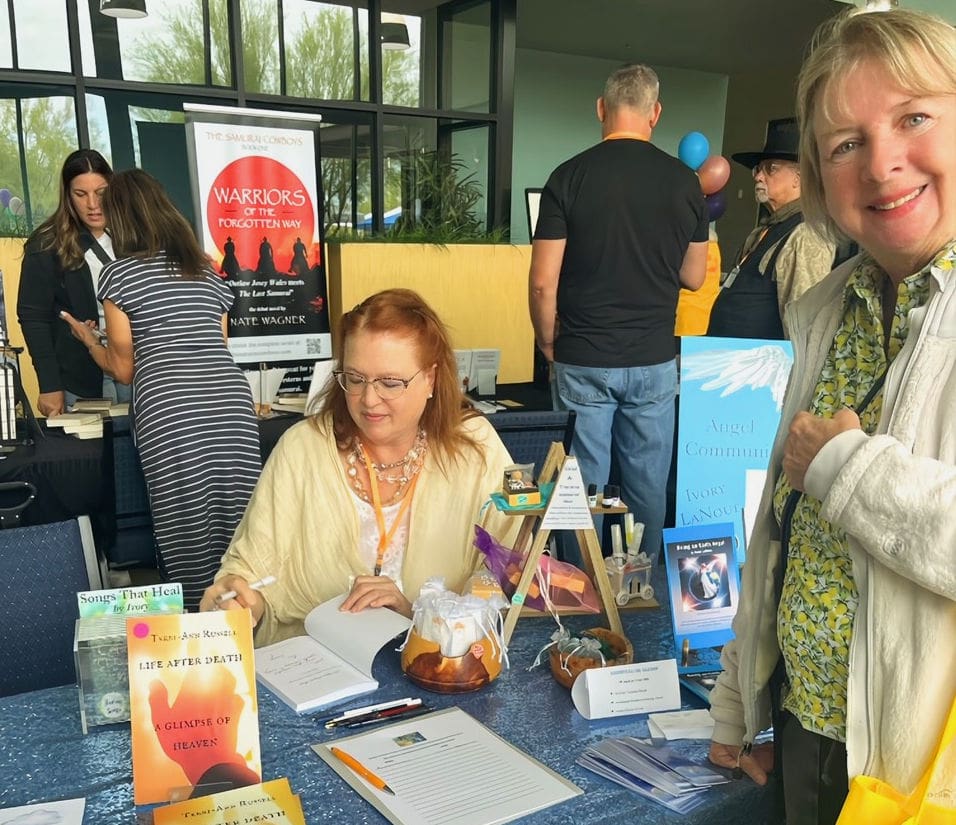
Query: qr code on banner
point(313, 346)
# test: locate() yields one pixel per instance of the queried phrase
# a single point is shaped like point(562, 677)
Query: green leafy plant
point(440, 199)
point(13, 226)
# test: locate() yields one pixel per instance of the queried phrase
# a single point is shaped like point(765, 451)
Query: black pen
point(385, 716)
point(339, 715)
point(357, 714)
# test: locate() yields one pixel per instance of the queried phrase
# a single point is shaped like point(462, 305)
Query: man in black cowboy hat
point(782, 257)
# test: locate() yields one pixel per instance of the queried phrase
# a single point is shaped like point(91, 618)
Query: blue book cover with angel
point(731, 394)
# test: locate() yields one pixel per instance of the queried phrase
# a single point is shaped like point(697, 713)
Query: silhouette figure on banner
point(300, 263)
point(267, 265)
point(230, 263)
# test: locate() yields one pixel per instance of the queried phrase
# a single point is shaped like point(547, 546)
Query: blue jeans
point(629, 410)
point(112, 389)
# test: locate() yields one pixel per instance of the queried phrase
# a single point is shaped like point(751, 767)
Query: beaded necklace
point(407, 467)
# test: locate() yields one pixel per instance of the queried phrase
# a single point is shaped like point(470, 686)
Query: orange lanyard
point(385, 538)
point(619, 135)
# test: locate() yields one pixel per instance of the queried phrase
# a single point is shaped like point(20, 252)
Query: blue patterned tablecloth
point(44, 755)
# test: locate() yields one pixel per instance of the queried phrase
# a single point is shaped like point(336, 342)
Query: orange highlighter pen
point(361, 770)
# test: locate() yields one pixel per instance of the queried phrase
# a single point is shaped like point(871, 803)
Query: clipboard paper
point(446, 767)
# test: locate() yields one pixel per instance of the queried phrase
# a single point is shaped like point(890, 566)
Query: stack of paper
point(80, 424)
point(653, 771)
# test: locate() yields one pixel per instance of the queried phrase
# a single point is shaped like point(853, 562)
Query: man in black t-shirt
point(621, 228)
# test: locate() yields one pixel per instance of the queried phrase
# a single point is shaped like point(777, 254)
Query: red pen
point(386, 715)
point(372, 713)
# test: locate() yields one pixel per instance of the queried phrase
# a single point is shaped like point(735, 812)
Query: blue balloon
point(5, 197)
point(716, 205)
point(693, 149)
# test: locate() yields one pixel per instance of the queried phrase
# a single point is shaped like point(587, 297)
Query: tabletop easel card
point(568, 504)
point(193, 706)
point(702, 579)
point(272, 802)
point(642, 687)
point(442, 764)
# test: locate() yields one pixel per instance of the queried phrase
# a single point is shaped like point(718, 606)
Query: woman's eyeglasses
point(385, 388)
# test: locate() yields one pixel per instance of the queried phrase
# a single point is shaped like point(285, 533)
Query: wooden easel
point(587, 542)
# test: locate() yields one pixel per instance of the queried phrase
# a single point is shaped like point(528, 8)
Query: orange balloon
point(714, 174)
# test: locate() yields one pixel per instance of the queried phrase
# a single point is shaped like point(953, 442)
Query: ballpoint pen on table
point(395, 714)
point(256, 585)
point(369, 710)
point(339, 715)
point(361, 770)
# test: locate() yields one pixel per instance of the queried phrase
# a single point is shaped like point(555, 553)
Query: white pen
point(394, 703)
point(258, 585)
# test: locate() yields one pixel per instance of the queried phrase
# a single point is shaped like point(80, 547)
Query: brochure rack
point(533, 535)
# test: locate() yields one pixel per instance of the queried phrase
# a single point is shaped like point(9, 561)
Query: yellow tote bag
point(872, 802)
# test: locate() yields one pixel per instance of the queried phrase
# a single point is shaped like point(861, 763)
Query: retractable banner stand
point(257, 192)
point(731, 392)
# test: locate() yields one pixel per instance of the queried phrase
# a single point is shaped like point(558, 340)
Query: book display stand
point(566, 509)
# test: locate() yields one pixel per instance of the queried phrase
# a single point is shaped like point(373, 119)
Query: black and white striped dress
point(192, 414)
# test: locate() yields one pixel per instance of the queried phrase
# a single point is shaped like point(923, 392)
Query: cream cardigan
point(302, 526)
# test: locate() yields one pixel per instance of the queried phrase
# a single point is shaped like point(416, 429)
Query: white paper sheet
point(445, 768)
point(62, 812)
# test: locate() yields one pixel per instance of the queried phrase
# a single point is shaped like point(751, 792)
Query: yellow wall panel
point(480, 291)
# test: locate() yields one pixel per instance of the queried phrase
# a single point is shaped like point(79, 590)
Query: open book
point(334, 661)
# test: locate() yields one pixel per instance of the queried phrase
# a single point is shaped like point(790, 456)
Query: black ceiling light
point(128, 9)
point(394, 36)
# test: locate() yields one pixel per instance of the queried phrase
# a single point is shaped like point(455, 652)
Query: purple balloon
point(716, 204)
point(5, 197)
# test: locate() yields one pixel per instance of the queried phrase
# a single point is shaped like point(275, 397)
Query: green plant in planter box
point(439, 198)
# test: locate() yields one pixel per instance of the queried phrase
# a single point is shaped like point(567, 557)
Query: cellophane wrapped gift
point(455, 643)
point(565, 585)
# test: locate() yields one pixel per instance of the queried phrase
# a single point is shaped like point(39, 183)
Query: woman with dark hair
point(166, 314)
point(377, 491)
point(61, 266)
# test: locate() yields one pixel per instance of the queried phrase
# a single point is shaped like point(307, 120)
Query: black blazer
point(61, 362)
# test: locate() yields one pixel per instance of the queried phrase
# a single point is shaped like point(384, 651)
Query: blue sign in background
point(731, 392)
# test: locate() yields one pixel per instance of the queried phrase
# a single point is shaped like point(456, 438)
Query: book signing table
point(45, 756)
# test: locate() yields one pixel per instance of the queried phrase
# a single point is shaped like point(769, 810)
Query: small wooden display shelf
point(532, 540)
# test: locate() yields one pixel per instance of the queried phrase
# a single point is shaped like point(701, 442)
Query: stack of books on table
point(80, 424)
point(101, 406)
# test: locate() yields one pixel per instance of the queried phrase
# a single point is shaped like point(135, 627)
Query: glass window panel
point(10, 178)
point(98, 126)
point(42, 41)
point(468, 60)
point(326, 50)
point(346, 177)
point(411, 186)
point(87, 57)
point(49, 135)
point(260, 46)
point(469, 149)
point(6, 46)
point(140, 114)
point(401, 59)
point(220, 54)
point(166, 46)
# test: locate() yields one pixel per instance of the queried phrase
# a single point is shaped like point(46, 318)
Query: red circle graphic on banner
point(265, 210)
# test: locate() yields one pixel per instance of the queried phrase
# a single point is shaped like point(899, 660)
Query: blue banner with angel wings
point(731, 392)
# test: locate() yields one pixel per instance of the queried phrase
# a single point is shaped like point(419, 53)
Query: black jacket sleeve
point(61, 362)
